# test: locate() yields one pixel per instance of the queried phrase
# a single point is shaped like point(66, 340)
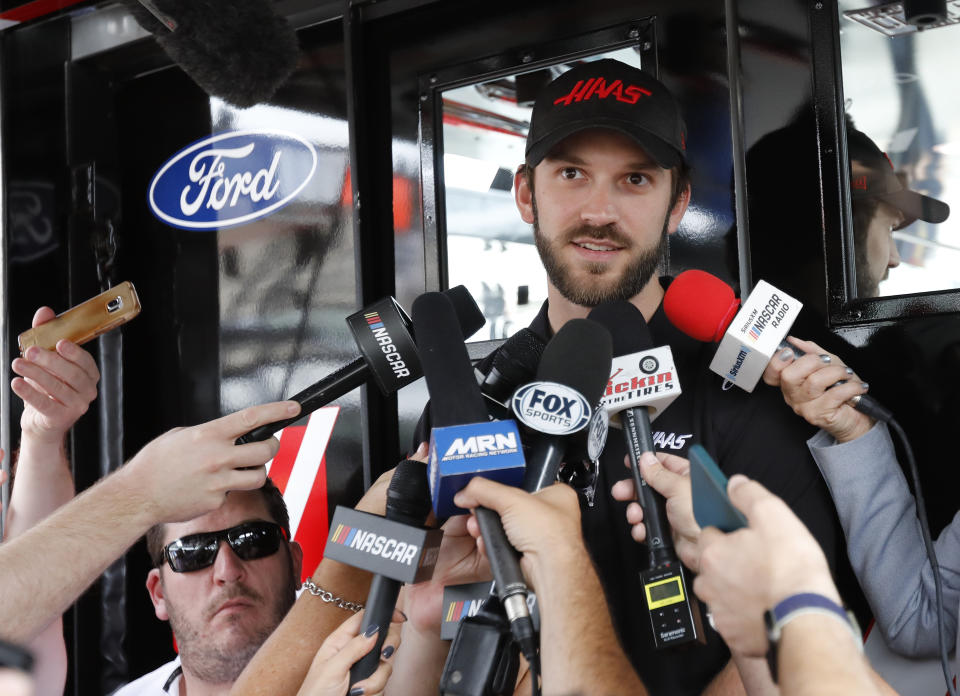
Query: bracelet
point(326, 596)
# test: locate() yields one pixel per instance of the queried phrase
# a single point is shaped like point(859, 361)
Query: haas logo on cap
point(598, 87)
point(231, 178)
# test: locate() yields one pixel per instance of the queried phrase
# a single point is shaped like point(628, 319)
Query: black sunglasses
point(249, 541)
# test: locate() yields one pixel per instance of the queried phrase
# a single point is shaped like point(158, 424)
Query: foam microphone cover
point(700, 305)
point(455, 397)
point(579, 357)
point(514, 364)
point(469, 314)
point(626, 325)
point(408, 495)
point(239, 51)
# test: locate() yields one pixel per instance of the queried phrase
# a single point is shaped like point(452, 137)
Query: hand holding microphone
point(669, 475)
point(820, 389)
point(705, 308)
point(388, 356)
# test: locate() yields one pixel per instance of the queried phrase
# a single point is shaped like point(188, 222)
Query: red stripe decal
point(37, 8)
point(315, 523)
point(290, 439)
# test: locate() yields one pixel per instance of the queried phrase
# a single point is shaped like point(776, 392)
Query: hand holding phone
point(711, 505)
point(87, 320)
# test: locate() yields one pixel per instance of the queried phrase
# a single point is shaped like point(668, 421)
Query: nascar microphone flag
point(383, 547)
point(755, 335)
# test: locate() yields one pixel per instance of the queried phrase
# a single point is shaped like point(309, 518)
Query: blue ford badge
point(231, 178)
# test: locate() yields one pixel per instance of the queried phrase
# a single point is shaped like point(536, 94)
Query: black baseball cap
point(875, 178)
point(608, 94)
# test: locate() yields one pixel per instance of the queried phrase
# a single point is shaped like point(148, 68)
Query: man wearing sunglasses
point(224, 581)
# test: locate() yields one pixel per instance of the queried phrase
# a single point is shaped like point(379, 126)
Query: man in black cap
point(882, 204)
point(604, 183)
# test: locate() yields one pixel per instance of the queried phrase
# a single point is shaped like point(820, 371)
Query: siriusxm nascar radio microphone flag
point(560, 406)
point(464, 443)
point(388, 356)
point(704, 307)
point(648, 377)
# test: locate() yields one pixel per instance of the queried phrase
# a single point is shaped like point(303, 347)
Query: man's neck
point(191, 685)
point(561, 310)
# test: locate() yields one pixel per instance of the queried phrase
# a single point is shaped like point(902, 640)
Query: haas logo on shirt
point(672, 441)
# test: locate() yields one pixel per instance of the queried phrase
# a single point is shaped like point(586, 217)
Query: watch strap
point(799, 605)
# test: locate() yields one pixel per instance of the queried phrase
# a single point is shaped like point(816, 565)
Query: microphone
point(240, 52)
point(674, 616)
point(455, 400)
point(560, 406)
point(408, 504)
point(514, 363)
point(704, 307)
point(387, 355)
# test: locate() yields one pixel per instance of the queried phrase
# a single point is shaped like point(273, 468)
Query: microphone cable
point(931, 552)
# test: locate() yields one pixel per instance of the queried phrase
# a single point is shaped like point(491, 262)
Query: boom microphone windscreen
point(626, 325)
point(469, 315)
point(579, 358)
point(561, 405)
point(514, 364)
point(701, 305)
point(240, 52)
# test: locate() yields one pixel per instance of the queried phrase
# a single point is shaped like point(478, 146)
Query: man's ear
point(296, 559)
point(679, 208)
point(523, 195)
point(157, 594)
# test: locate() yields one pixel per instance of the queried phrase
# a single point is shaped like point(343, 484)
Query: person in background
point(878, 513)
point(768, 587)
point(57, 387)
point(180, 475)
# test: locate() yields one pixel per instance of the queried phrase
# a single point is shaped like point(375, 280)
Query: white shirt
point(163, 681)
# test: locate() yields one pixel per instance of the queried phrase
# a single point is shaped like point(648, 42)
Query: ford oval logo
point(551, 408)
point(231, 178)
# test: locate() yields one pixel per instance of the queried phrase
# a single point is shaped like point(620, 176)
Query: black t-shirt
point(755, 434)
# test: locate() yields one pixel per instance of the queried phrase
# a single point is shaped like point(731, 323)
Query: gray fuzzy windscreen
point(240, 51)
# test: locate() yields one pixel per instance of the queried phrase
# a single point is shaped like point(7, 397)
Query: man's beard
point(633, 280)
point(866, 285)
point(217, 661)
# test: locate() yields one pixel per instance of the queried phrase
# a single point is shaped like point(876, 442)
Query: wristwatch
point(798, 605)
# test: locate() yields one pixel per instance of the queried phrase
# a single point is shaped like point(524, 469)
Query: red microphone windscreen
point(701, 305)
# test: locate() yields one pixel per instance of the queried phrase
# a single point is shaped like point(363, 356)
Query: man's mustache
point(233, 592)
point(606, 232)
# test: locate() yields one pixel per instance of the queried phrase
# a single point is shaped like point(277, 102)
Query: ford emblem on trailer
point(231, 178)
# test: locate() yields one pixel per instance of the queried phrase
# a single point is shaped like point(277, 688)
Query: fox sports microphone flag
point(560, 407)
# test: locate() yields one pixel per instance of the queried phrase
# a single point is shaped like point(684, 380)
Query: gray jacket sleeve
point(886, 550)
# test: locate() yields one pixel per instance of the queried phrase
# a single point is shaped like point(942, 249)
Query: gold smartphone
point(87, 320)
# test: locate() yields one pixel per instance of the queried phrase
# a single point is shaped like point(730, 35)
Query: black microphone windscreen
point(468, 313)
point(626, 325)
point(240, 52)
point(408, 495)
point(578, 356)
point(514, 364)
point(455, 397)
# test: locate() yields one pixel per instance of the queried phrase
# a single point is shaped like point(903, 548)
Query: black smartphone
point(711, 506)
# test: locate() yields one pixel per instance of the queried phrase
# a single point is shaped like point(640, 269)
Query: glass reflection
point(907, 138)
